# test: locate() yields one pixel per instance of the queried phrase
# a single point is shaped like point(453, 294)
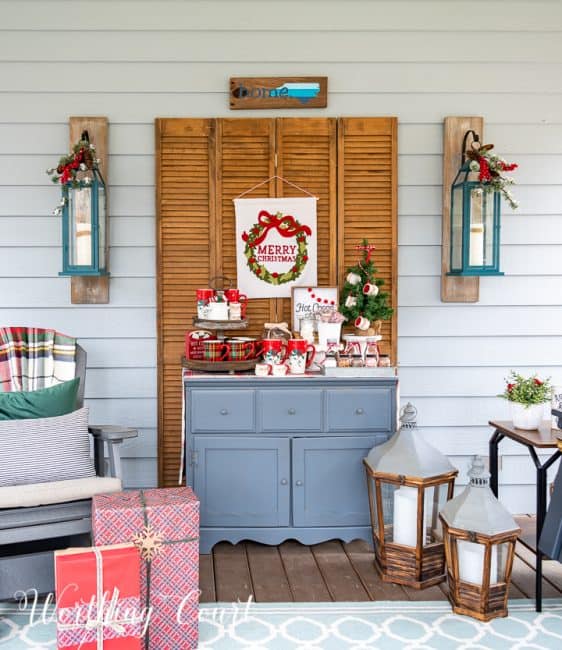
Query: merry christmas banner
point(275, 245)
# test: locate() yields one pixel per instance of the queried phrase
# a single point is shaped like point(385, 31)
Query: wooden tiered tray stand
point(219, 327)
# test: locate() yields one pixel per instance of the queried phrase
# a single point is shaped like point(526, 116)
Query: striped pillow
point(45, 449)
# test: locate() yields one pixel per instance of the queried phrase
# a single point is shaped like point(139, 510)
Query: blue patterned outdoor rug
point(335, 626)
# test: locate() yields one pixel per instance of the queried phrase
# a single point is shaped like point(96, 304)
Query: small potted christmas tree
point(362, 302)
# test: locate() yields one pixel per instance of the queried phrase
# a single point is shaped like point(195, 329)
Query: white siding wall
point(421, 61)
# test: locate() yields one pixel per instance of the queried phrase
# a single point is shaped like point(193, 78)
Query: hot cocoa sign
point(275, 245)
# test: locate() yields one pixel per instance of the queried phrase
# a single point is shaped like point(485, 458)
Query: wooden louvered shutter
point(367, 203)
point(245, 156)
point(306, 156)
point(185, 196)
point(202, 164)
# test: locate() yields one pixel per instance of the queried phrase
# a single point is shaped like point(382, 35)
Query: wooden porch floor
point(332, 571)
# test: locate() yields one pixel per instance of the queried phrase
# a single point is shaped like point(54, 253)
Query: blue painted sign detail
point(278, 92)
point(303, 92)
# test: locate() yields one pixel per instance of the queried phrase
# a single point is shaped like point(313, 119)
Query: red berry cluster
point(485, 174)
point(65, 171)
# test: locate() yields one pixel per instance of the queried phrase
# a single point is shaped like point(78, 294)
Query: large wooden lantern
point(480, 537)
point(408, 483)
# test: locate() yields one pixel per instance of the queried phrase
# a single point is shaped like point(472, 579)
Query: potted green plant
point(527, 397)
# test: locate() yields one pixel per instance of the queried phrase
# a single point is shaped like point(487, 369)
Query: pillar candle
point(83, 244)
point(405, 524)
point(83, 226)
point(476, 245)
point(471, 562)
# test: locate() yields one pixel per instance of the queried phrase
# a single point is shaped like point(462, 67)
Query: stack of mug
point(274, 356)
point(221, 304)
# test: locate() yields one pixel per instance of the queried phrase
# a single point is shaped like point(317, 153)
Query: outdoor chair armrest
point(114, 436)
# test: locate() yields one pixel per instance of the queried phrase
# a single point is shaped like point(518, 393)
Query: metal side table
point(536, 440)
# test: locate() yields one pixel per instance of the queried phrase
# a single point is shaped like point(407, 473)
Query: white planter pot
point(328, 331)
point(528, 417)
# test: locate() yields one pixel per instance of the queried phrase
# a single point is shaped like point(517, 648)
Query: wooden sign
point(278, 92)
point(310, 301)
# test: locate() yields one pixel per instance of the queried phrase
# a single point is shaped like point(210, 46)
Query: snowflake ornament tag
point(149, 543)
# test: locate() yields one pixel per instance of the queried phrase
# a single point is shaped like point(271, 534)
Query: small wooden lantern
point(480, 537)
point(408, 483)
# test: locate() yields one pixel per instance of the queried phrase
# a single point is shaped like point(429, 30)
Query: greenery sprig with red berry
point(80, 159)
point(491, 171)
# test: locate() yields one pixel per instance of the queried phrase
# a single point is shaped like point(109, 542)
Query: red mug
point(216, 350)
point(205, 294)
point(300, 354)
point(241, 350)
point(234, 295)
point(273, 351)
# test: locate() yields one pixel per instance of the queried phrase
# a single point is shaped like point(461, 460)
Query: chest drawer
point(222, 410)
point(291, 410)
point(360, 409)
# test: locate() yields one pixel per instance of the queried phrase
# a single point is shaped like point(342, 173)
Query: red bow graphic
point(286, 226)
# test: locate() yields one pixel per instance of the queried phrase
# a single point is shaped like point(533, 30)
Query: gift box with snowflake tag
point(164, 525)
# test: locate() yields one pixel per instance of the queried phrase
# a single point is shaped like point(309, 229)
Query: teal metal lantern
point(85, 223)
point(475, 222)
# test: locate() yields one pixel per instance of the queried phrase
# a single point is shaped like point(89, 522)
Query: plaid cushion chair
point(53, 512)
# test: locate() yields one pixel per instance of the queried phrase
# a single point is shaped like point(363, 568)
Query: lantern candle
point(83, 224)
point(471, 562)
point(405, 516)
point(476, 245)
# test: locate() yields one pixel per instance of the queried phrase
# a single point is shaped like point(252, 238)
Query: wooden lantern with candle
point(408, 482)
point(480, 536)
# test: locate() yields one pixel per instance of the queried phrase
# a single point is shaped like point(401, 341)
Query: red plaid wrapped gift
point(98, 598)
point(164, 524)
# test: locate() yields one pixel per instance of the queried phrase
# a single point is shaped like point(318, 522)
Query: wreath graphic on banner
point(286, 226)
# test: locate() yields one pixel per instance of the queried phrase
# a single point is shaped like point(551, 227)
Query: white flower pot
point(327, 331)
point(528, 417)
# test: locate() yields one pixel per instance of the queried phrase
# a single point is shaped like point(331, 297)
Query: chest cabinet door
point(242, 481)
point(329, 484)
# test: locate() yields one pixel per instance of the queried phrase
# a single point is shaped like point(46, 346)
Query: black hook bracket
point(475, 138)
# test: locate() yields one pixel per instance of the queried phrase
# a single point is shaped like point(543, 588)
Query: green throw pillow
point(43, 403)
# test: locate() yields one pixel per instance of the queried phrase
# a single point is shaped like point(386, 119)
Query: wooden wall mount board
point(455, 288)
point(203, 164)
point(87, 290)
point(254, 93)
